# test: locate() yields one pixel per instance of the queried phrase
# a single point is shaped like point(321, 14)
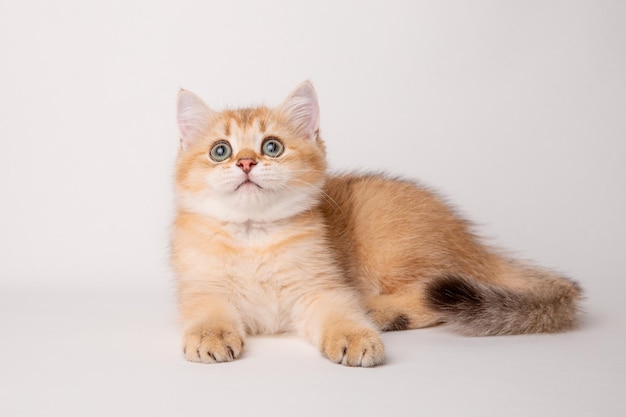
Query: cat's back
point(387, 227)
point(378, 199)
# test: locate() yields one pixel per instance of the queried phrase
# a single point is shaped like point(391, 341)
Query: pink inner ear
point(192, 116)
point(302, 109)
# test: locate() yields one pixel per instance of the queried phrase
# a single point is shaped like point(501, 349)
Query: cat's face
point(255, 164)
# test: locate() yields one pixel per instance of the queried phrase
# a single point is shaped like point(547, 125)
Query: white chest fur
point(274, 267)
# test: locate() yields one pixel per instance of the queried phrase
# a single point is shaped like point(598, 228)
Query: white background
point(515, 111)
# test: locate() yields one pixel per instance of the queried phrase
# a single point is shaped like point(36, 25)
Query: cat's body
point(265, 241)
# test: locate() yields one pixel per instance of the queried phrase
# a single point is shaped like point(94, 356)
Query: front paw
point(210, 344)
point(353, 346)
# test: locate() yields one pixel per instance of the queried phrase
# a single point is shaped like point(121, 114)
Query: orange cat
point(266, 241)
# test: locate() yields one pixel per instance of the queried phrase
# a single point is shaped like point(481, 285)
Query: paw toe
point(207, 345)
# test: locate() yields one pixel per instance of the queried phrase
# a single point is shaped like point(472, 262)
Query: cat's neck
point(254, 233)
point(254, 227)
point(259, 233)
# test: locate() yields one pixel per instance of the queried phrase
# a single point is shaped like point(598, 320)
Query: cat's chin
point(250, 202)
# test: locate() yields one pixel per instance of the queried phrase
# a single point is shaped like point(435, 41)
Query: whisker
point(281, 185)
point(322, 193)
point(284, 177)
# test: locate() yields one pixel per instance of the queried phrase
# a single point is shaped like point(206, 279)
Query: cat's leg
point(337, 324)
point(401, 311)
point(213, 330)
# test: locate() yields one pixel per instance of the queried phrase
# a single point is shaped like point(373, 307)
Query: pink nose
point(246, 164)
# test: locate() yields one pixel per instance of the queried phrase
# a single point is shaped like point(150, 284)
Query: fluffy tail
point(544, 303)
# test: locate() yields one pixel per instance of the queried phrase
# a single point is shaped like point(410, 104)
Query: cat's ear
point(302, 110)
point(192, 116)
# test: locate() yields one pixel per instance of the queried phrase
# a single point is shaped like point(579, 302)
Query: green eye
point(221, 151)
point(272, 147)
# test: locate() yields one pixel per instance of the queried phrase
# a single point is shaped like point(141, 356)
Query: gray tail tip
point(481, 309)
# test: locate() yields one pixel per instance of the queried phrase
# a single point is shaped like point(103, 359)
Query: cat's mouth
point(247, 184)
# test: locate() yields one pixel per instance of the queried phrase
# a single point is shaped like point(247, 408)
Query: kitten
point(266, 241)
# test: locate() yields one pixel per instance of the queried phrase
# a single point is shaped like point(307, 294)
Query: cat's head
point(258, 164)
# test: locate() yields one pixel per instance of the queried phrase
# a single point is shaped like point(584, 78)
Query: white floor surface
point(108, 353)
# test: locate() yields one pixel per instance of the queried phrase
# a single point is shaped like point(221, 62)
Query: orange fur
point(289, 248)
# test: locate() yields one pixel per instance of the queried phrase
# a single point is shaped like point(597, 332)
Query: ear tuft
point(302, 109)
point(192, 116)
